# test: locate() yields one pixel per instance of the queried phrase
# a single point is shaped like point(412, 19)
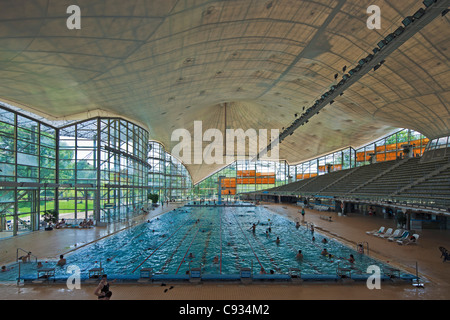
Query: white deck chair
point(387, 234)
point(397, 233)
point(404, 235)
point(381, 230)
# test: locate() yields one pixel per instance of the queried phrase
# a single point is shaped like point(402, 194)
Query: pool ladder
point(362, 244)
point(20, 249)
point(17, 260)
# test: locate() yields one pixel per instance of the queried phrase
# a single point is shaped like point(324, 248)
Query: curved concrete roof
point(168, 63)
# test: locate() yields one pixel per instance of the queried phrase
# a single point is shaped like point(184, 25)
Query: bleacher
point(358, 177)
point(436, 188)
point(322, 181)
point(294, 186)
point(400, 177)
point(411, 179)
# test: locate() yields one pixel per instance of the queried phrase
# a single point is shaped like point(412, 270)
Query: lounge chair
point(395, 234)
point(410, 240)
point(373, 232)
point(404, 235)
point(387, 234)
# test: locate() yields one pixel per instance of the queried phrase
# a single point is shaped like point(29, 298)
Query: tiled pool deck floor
point(350, 230)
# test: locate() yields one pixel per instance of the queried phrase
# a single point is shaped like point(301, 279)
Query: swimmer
point(324, 252)
point(216, 259)
point(278, 240)
point(299, 255)
point(61, 261)
point(26, 258)
point(351, 259)
point(253, 227)
point(324, 240)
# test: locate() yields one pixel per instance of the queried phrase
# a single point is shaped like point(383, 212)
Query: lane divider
point(187, 251)
point(247, 240)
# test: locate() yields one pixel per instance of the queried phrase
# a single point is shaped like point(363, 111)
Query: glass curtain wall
point(243, 176)
point(27, 171)
point(167, 176)
point(442, 142)
point(339, 160)
point(391, 147)
point(101, 168)
point(103, 164)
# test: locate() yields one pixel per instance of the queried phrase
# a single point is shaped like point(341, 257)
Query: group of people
point(86, 224)
point(102, 291)
point(325, 253)
point(63, 224)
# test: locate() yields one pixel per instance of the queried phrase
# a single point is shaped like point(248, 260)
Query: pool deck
point(349, 230)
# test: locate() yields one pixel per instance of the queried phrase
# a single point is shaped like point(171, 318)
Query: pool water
point(221, 241)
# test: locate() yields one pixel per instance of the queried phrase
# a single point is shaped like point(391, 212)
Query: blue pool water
point(166, 242)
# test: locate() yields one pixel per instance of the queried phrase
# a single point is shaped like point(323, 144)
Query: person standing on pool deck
point(303, 214)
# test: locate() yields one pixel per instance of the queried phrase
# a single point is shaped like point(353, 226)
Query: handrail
point(362, 244)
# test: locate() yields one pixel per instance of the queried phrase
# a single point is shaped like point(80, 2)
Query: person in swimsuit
point(102, 291)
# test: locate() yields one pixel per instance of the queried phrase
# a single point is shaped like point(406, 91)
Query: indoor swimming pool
point(218, 240)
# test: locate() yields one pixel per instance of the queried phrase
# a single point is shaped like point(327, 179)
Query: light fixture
point(407, 21)
point(399, 31)
point(419, 13)
point(428, 3)
point(382, 43)
point(389, 37)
